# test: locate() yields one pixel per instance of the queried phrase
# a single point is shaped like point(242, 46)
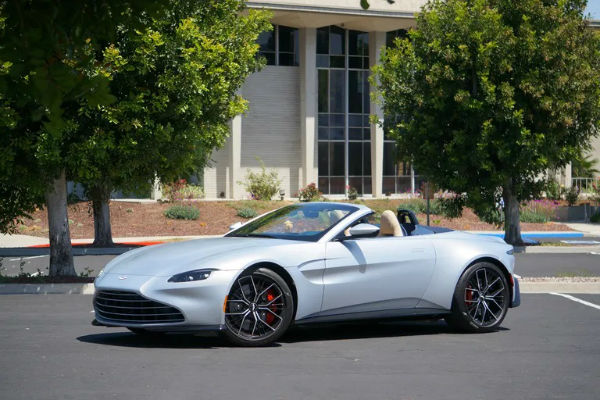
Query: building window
point(344, 136)
point(279, 46)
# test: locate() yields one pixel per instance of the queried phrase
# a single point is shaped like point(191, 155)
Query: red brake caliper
point(270, 317)
point(469, 295)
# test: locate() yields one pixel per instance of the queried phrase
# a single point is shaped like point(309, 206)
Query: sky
point(594, 8)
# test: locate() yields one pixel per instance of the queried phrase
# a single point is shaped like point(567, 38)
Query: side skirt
point(406, 313)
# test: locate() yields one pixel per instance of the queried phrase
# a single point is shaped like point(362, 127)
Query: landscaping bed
point(133, 219)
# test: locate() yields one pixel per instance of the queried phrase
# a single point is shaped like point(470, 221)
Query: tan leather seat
point(390, 225)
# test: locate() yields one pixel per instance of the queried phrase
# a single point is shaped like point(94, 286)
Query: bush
point(310, 193)
point(552, 190)
point(247, 212)
point(538, 211)
point(180, 190)
point(182, 212)
point(352, 193)
point(262, 185)
point(596, 217)
point(532, 216)
point(572, 195)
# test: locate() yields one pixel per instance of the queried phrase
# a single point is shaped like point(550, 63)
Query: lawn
point(130, 219)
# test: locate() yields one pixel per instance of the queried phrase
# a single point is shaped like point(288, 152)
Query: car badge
point(122, 277)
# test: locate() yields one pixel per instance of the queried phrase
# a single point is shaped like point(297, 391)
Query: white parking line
point(587, 303)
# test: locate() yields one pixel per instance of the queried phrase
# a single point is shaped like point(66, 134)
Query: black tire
point(480, 300)
point(259, 309)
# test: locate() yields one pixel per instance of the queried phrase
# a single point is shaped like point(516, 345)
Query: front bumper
point(200, 302)
point(516, 295)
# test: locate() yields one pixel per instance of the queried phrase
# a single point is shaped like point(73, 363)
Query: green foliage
point(539, 211)
point(262, 185)
point(310, 193)
point(247, 212)
point(531, 216)
point(116, 94)
point(352, 193)
point(182, 212)
point(553, 190)
point(487, 95)
point(595, 218)
point(180, 190)
point(572, 195)
point(584, 166)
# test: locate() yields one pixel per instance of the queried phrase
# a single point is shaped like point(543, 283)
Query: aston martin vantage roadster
point(309, 262)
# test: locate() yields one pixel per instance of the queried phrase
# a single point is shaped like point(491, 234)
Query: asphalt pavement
point(530, 265)
point(547, 349)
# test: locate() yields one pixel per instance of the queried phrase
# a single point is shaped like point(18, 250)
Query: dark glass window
point(288, 46)
point(337, 42)
point(323, 40)
point(324, 158)
point(337, 92)
point(279, 46)
point(337, 158)
point(355, 91)
point(389, 158)
point(266, 41)
point(323, 90)
point(355, 154)
point(358, 43)
point(391, 36)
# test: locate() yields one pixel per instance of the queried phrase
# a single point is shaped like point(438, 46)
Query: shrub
point(247, 212)
point(532, 216)
point(182, 212)
point(572, 195)
point(595, 217)
point(262, 185)
point(552, 190)
point(309, 193)
point(352, 193)
point(180, 190)
point(538, 211)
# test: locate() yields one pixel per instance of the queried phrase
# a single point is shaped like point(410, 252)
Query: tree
point(53, 67)
point(486, 95)
point(175, 84)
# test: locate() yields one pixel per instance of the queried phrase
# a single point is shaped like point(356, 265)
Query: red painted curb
point(147, 243)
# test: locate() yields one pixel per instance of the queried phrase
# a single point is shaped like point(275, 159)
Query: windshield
point(307, 222)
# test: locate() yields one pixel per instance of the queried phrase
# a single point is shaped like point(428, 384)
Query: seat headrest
point(390, 225)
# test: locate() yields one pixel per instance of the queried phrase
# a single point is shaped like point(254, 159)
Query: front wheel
point(480, 299)
point(259, 308)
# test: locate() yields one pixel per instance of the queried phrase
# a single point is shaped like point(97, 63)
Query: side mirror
point(363, 230)
point(233, 227)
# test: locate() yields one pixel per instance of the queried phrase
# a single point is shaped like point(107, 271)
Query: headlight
point(510, 252)
point(190, 276)
point(100, 273)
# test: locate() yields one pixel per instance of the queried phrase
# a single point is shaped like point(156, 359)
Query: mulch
point(134, 219)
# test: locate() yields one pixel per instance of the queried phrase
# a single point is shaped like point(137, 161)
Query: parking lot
point(549, 348)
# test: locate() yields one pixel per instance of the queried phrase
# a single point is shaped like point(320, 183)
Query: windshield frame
point(352, 209)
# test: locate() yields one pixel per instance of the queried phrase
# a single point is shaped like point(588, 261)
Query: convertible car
point(309, 262)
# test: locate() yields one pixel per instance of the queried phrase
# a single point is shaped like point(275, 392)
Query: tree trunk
point(61, 255)
point(100, 196)
point(512, 223)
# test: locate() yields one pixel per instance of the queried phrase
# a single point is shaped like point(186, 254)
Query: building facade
point(309, 108)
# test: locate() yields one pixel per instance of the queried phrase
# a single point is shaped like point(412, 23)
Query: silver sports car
point(309, 262)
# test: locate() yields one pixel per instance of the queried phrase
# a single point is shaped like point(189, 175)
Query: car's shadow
point(302, 333)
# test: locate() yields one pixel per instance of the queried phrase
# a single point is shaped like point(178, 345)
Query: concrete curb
point(545, 285)
point(77, 251)
point(558, 250)
point(47, 288)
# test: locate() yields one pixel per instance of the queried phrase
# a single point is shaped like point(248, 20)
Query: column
point(376, 42)
point(235, 158)
point(308, 105)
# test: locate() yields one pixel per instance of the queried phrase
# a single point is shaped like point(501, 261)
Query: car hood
point(171, 258)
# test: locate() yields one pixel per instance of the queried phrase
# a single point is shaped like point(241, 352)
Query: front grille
point(120, 306)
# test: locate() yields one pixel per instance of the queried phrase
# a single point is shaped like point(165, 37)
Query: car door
point(376, 274)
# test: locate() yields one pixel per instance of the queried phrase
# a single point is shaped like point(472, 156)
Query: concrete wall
point(270, 130)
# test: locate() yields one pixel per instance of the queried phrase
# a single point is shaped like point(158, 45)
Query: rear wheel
point(480, 299)
point(259, 308)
